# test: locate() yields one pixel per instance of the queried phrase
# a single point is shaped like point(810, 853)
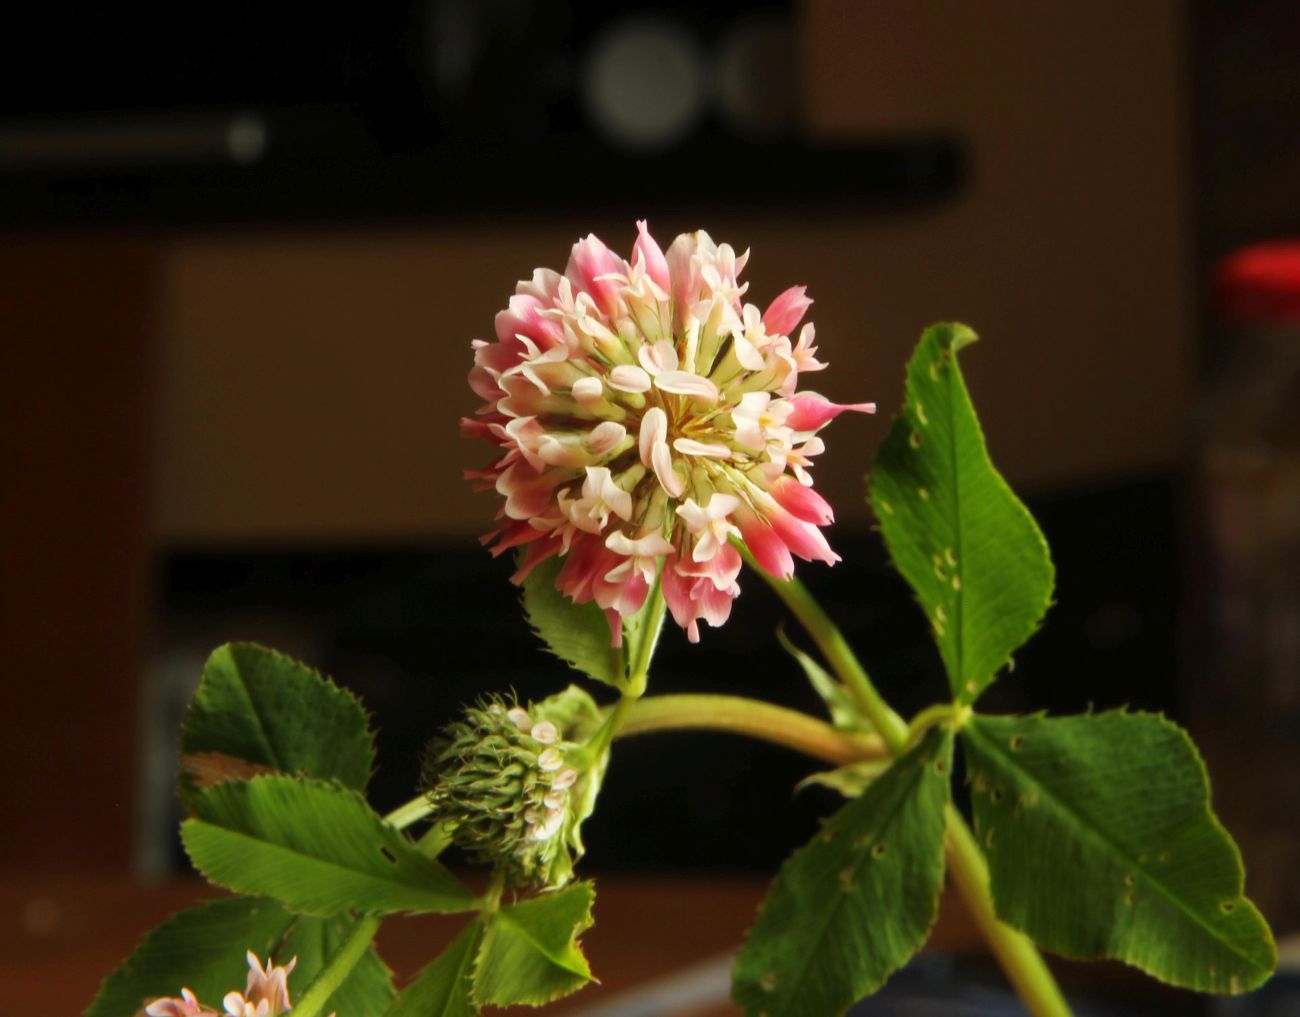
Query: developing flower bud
point(501, 780)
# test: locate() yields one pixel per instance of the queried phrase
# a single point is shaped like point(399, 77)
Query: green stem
point(739, 715)
point(638, 671)
point(835, 648)
point(491, 899)
point(639, 665)
point(1020, 960)
point(409, 812)
point(340, 965)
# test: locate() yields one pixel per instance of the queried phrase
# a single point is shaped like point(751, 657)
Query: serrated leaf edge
point(1239, 871)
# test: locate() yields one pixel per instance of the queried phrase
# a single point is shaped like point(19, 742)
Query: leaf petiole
point(339, 966)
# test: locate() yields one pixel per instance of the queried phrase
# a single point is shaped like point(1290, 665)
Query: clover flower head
point(501, 780)
point(646, 417)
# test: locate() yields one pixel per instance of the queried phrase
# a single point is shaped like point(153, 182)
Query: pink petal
point(804, 539)
point(615, 628)
point(767, 547)
point(536, 553)
point(590, 266)
point(677, 593)
point(802, 502)
point(813, 411)
point(524, 316)
point(656, 265)
point(785, 312)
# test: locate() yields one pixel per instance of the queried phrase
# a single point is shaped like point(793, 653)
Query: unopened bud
point(499, 782)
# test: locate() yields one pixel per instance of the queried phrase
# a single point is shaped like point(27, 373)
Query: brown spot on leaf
point(209, 768)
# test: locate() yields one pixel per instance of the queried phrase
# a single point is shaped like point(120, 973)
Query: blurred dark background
point(243, 251)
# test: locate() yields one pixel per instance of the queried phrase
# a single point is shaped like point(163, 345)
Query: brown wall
point(312, 381)
point(75, 398)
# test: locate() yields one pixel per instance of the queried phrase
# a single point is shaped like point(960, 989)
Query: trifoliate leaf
point(530, 952)
point(202, 949)
point(316, 847)
point(576, 633)
point(970, 550)
point(1101, 843)
point(256, 709)
point(854, 903)
point(442, 989)
point(844, 710)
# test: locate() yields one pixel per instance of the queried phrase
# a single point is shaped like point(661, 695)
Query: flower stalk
point(340, 965)
point(892, 729)
point(765, 721)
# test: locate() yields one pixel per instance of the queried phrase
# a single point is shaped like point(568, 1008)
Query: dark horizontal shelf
point(317, 169)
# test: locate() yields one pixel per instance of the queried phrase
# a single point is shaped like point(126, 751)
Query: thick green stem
point(756, 719)
point(835, 648)
point(409, 812)
point(1020, 960)
point(312, 1002)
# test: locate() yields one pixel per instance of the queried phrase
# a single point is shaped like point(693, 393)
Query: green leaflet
point(368, 988)
point(256, 706)
point(1101, 843)
point(579, 717)
point(579, 633)
point(442, 989)
point(849, 780)
point(316, 847)
point(572, 710)
point(969, 549)
point(844, 711)
point(201, 948)
point(576, 633)
point(530, 952)
point(854, 903)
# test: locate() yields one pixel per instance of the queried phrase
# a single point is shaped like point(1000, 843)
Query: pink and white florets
point(646, 416)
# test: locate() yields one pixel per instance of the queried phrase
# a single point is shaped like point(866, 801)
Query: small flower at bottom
point(645, 417)
point(266, 994)
point(186, 1005)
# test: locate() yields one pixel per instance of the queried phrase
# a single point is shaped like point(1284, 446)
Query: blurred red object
point(1260, 284)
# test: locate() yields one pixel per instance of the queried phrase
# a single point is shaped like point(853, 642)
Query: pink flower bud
point(813, 412)
point(784, 313)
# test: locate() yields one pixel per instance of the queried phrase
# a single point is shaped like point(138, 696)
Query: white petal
point(605, 437)
point(710, 450)
point(654, 431)
point(688, 384)
point(662, 461)
point(588, 390)
point(629, 378)
point(545, 732)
